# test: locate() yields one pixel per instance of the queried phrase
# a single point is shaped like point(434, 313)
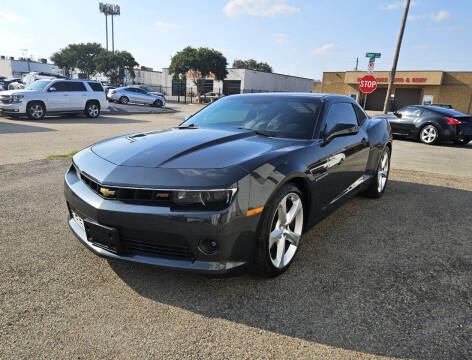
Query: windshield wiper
point(258, 132)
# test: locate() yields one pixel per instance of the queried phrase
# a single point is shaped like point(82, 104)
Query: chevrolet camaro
point(235, 185)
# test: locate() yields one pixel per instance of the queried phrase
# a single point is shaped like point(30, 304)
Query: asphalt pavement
point(386, 278)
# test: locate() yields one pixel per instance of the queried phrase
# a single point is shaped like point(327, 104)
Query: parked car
point(234, 185)
point(209, 97)
point(31, 77)
point(150, 90)
point(431, 124)
point(134, 94)
point(107, 88)
point(55, 96)
point(7, 81)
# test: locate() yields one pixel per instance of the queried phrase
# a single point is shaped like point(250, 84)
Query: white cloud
point(280, 37)
point(323, 49)
point(164, 25)
point(395, 5)
point(12, 18)
point(439, 16)
point(265, 8)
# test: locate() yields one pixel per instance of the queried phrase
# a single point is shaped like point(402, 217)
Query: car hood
point(15, 92)
point(191, 148)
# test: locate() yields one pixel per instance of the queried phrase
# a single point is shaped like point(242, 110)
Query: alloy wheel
point(286, 230)
point(93, 110)
point(37, 111)
point(382, 173)
point(429, 134)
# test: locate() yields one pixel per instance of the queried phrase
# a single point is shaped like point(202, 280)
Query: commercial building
point(238, 81)
point(11, 67)
point(410, 88)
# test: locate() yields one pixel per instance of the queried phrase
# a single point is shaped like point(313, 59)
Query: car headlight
point(17, 98)
point(206, 198)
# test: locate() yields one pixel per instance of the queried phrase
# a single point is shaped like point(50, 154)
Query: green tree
point(80, 56)
point(116, 65)
point(200, 63)
point(252, 64)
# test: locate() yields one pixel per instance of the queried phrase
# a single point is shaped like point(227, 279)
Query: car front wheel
point(280, 231)
point(35, 111)
point(124, 100)
point(157, 103)
point(429, 135)
point(379, 182)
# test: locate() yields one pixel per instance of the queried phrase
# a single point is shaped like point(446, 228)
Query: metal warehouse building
point(11, 67)
point(239, 81)
point(410, 88)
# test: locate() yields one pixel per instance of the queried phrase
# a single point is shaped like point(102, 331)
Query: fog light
point(208, 246)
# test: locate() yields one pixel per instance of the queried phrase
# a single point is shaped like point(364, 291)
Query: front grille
point(157, 197)
point(144, 247)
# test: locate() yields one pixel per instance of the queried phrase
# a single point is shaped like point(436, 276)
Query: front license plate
point(102, 236)
point(78, 220)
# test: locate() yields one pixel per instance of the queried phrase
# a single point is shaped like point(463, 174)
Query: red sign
point(367, 84)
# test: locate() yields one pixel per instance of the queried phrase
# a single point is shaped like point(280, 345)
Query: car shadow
point(13, 128)
point(387, 277)
point(442, 144)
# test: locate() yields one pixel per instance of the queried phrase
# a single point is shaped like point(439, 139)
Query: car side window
point(340, 113)
point(75, 86)
point(96, 86)
point(60, 86)
point(410, 111)
point(361, 115)
point(141, 91)
point(131, 89)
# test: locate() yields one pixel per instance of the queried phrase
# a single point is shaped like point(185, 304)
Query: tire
point(92, 109)
point(35, 110)
point(462, 141)
point(157, 103)
point(429, 134)
point(277, 245)
point(379, 182)
point(124, 100)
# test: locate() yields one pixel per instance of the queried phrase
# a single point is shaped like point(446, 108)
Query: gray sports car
point(236, 184)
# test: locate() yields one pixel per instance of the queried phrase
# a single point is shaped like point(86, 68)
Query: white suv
point(55, 96)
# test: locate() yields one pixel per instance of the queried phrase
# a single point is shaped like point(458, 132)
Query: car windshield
point(279, 116)
point(38, 85)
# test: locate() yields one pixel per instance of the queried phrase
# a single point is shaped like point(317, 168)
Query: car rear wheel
point(92, 110)
point(157, 103)
point(35, 111)
point(279, 232)
point(429, 134)
point(124, 100)
point(379, 182)
point(462, 140)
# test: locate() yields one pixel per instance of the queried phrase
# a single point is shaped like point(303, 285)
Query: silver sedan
point(134, 94)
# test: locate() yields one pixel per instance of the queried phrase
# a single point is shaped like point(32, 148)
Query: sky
point(296, 37)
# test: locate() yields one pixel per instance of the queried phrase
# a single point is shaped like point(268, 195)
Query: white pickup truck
point(53, 96)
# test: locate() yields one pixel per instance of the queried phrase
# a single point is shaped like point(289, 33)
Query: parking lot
point(387, 278)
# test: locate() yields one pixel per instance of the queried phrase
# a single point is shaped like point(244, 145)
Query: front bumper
point(13, 108)
point(159, 226)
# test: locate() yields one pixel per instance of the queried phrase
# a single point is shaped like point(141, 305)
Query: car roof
point(440, 109)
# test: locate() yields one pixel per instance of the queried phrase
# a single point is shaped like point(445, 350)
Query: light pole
point(395, 58)
point(112, 10)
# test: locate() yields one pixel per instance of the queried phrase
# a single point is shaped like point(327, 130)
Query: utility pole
point(357, 63)
point(112, 35)
point(112, 10)
point(395, 58)
point(106, 28)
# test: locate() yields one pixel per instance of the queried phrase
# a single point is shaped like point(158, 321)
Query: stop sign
point(367, 84)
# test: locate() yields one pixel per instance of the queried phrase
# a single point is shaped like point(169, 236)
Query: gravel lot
point(377, 278)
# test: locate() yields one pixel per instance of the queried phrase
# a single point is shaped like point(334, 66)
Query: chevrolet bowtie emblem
point(106, 192)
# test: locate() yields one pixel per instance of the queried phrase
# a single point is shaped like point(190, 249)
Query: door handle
point(66, 95)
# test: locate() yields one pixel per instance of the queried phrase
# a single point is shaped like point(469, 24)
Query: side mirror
point(52, 88)
point(397, 114)
point(341, 129)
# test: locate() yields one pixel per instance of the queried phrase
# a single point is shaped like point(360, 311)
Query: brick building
point(410, 87)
